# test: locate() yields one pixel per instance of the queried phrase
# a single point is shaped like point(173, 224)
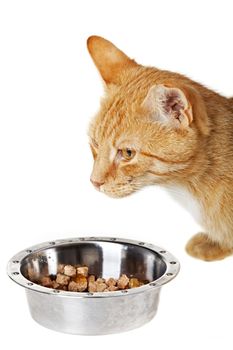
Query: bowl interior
point(104, 259)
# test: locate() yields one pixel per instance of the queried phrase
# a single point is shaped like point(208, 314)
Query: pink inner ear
point(168, 105)
point(173, 103)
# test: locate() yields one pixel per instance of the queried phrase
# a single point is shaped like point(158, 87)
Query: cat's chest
point(186, 200)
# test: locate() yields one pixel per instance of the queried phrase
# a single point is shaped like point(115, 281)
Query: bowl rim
point(14, 267)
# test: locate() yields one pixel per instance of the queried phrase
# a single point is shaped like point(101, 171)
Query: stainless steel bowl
point(94, 313)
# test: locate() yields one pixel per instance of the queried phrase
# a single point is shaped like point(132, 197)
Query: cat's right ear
point(176, 107)
point(109, 60)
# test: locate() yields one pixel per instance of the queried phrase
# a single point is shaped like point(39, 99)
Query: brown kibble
point(83, 270)
point(133, 283)
point(92, 287)
point(69, 279)
point(70, 270)
point(123, 282)
point(73, 287)
point(91, 278)
point(81, 281)
point(100, 287)
point(46, 281)
point(91, 284)
point(111, 282)
point(112, 288)
point(62, 287)
point(60, 268)
point(62, 279)
point(100, 280)
point(55, 285)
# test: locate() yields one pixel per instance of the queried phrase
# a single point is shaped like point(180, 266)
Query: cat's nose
point(96, 183)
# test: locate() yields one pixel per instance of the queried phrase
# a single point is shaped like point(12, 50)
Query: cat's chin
point(116, 194)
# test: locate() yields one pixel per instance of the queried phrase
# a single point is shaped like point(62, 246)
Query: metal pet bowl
point(94, 313)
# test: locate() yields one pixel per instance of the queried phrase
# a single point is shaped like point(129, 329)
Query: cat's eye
point(127, 153)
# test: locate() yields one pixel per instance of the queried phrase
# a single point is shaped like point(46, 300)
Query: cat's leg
point(200, 246)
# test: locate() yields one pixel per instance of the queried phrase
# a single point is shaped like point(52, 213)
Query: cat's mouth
point(117, 194)
point(118, 191)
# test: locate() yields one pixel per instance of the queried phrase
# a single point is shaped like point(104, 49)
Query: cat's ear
point(168, 105)
point(109, 60)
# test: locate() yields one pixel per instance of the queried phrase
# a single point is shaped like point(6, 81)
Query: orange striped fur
point(159, 127)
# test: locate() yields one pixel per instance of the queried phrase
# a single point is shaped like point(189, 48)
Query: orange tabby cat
point(159, 127)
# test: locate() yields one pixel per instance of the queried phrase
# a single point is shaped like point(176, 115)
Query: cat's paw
point(201, 247)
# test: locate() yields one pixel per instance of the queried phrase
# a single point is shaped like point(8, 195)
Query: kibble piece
point(60, 268)
point(100, 280)
point(91, 284)
point(112, 288)
point(55, 285)
point(133, 283)
point(81, 282)
point(92, 287)
point(100, 287)
point(111, 282)
point(83, 270)
point(62, 287)
point(46, 281)
point(70, 270)
point(91, 278)
point(62, 279)
point(73, 286)
point(123, 282)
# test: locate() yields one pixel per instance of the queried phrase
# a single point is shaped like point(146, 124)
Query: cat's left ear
point(168, 105)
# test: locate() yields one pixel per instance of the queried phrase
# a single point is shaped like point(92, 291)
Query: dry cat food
point(77, 279)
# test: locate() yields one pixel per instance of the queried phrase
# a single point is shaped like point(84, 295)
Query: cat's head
point(150, 125)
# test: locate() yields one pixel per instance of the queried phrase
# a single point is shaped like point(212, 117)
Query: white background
point(50, 89)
